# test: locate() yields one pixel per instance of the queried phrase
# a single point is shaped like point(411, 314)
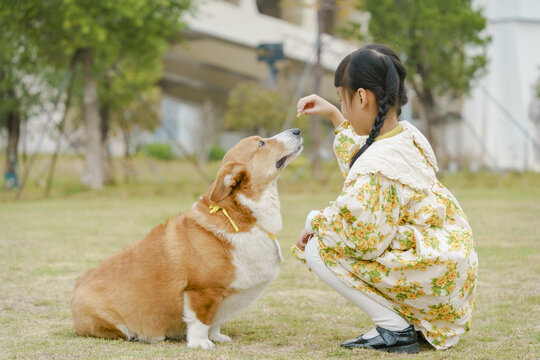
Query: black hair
point(377, 68)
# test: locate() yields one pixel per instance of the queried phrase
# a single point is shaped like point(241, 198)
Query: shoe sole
point(409, 349)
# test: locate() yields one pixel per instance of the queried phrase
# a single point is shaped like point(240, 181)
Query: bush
point(216, 153)
point(161, 151)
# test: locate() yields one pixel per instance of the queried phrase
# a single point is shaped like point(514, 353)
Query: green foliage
point(112, 28)
point(143, 112)
point(253, 108)
point(216, 153)
point(161, 151)
point(123, 42)
point(440, 41)
point(127, 39)
point(19, 70)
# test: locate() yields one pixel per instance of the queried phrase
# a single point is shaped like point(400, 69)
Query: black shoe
point(403, 341)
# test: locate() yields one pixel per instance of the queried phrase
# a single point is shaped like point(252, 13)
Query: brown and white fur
point(190, 275)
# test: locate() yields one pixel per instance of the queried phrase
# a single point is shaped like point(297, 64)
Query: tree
point(207, 133)
point(440, 41)
point(104, 34)
point(534, 115)
point(19, 92)
point(128, 98)
point(141, 113)
point(258, 110)
point(10, 118)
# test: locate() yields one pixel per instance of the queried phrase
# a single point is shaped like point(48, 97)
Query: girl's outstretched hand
point(303, 239)
point(315, 105)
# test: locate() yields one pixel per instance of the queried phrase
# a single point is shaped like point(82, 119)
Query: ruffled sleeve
point(363, 220)
point(298, 253)
point(346, 144)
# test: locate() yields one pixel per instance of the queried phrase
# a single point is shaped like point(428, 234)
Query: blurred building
point(496, 129)
point(499, 128)
point(220, 51)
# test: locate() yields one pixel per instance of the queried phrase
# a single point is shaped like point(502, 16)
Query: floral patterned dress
point(398, 235)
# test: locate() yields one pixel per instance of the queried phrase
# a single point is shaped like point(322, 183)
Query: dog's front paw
point(219, 337)
point(200, 344)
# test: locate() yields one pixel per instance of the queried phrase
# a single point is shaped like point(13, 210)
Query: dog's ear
point(229, 176)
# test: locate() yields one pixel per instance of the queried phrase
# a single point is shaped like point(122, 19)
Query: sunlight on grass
point(47, 244)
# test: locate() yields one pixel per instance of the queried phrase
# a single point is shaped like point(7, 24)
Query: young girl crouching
point(395, 242)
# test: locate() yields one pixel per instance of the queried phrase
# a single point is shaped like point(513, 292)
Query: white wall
point(513, 69)
point(180, 124)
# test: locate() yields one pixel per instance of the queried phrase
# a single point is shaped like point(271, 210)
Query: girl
point(395, 242)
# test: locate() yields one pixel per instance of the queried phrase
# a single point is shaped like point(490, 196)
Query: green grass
point(47, 244)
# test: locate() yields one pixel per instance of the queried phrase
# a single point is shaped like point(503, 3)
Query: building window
point(330, 15)
point(269, 7)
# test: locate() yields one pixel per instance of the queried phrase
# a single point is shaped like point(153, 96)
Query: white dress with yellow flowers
point(398, 235)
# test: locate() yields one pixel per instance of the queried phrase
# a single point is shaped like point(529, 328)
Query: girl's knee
point(313, 258)
point(311, 253)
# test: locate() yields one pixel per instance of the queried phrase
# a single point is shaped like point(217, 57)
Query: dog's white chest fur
point(267, 210)
point(255, 255)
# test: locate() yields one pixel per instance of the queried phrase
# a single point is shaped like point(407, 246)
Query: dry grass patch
point(46, 245)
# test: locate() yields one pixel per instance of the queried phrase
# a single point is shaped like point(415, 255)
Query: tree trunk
point(428, 115)
point(129, 172)
point(61, 126)
point(208, 132)
point(11, 180)
point(93, 167)
point(316, 120)
point(108, 170)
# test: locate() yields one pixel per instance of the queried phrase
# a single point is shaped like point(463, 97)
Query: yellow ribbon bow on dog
point(214, 209)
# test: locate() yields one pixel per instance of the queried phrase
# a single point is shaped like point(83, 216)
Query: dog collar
point(278, 248)
point(215, 208)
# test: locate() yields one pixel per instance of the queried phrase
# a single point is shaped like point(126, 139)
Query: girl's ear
point(229, 176)
point(362, 95)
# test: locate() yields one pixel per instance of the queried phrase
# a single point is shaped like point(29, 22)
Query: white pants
point(379, 314)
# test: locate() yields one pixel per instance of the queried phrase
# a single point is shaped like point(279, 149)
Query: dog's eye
point(261, 143)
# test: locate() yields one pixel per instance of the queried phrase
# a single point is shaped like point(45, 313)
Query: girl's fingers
point(304, 242)
point(302, 239)
point(301, 244)
point(310, 111)
point(308, 101)
point(313, 105)
point(300, 105)
point(304, 106)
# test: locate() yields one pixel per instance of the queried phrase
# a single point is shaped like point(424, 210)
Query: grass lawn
point(47, 244)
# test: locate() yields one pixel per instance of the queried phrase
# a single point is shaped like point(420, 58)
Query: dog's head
point(253, 163)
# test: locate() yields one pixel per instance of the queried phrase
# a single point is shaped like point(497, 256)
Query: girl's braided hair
point(377, 68)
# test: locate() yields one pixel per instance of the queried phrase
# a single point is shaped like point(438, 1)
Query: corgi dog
point(193, 273)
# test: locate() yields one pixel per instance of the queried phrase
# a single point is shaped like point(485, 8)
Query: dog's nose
point(296, 132)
